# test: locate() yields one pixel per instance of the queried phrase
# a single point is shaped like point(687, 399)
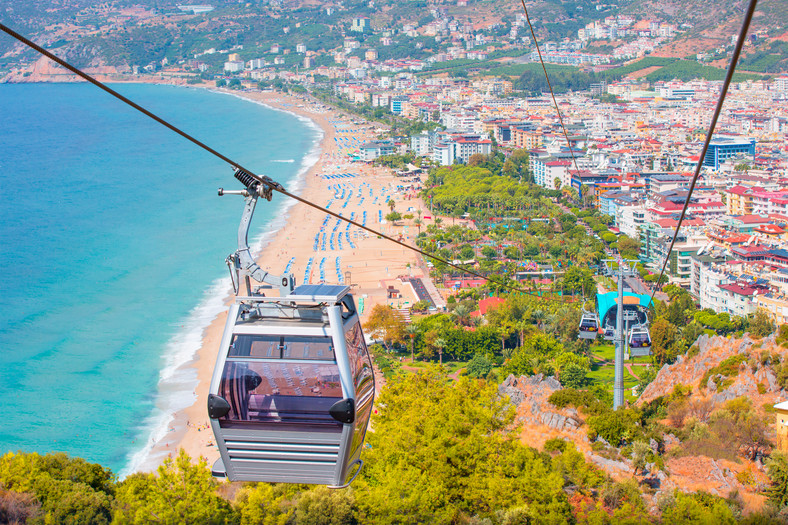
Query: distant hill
point(122, 33)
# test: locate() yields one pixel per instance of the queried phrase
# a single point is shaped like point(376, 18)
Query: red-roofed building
point(486, 304)
point(737, 299)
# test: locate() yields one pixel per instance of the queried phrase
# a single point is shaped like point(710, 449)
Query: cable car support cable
point(550, 85)
point(717, 110)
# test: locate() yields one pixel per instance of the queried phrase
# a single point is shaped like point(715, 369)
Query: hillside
point(122, 34)
point(687, 415)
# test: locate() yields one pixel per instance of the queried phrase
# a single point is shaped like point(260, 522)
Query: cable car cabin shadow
point(292, 390)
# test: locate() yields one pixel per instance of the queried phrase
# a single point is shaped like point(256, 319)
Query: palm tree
point(538, 316)
point(391, 204)
point(440, 344)
point(412, 332)
point(462, 315)
point(418, 223)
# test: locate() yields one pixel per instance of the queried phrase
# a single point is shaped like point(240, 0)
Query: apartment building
point(550, 172)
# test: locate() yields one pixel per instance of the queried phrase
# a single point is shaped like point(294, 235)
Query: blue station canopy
point(606, 301)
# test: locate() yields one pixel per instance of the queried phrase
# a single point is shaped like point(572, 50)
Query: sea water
point(112, 247)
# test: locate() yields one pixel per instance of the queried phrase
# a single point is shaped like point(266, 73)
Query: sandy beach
point(371, 263)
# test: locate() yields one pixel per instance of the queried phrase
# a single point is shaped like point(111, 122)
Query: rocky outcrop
point(751, 379)
point(530, 395)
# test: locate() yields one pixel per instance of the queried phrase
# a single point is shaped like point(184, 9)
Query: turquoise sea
point(112, 247)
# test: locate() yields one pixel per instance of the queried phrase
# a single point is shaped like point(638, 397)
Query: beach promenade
point(314, 247)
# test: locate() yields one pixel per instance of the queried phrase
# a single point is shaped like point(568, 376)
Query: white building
point(548, 170)
point(234, 66)
point(459, 147)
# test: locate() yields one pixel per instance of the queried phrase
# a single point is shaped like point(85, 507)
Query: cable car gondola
point(589, 326)
point(640, 338)
point(292, 389)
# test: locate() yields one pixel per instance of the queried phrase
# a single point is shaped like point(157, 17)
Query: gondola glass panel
point(361, 368)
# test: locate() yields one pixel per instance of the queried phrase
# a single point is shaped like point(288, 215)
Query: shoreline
point(292, 236)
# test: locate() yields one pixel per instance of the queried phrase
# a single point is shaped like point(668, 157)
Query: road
point(637, 285)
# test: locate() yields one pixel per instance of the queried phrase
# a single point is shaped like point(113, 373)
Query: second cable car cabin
point(640, 338)
point(589, 326)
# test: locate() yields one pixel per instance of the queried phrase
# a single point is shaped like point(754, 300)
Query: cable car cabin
point(589, 325)
point(609, 333)
point(640, 338)
point(292, 390)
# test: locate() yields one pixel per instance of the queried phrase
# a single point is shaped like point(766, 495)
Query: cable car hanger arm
point(241, 260)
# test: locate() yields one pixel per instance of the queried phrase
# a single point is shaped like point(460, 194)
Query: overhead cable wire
point(717, 110)
point(550, 85)
point(266, 181)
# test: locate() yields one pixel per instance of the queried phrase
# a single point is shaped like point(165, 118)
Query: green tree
point(412, 331)
point(698, 507)
point(579, 280)
point(441, 452)
point(777, 467)
point(640, 452)
point(386, 324)
point(663, 341)
point(628, 247)
point(323, 506)
point(613, 426)
point(480, 366)
point(69, 490)
point(394, 216)
point(467, 253)
point(265, 504)
point(180, 492)
point(509, 169)
point(574, 375)
point(760, 323)
point(538, 345)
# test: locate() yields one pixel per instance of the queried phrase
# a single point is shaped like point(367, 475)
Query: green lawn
point(606, 351)
point(450, 366)
point(606, 374)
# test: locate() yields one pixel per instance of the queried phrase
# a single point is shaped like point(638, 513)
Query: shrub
point(782, 336)
point(480, 366)
point(728, 368)
point(746, 478)
point(555, 445)
point(614, 426)
point(572, 397)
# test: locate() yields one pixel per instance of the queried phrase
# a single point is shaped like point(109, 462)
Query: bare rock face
point(611, 464)
point(530, 395)
point(509, 388)
point(755, 381)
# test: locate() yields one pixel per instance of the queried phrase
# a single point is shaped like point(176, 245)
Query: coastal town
point(626, 140)
point(561, 295)
point(627, 144)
